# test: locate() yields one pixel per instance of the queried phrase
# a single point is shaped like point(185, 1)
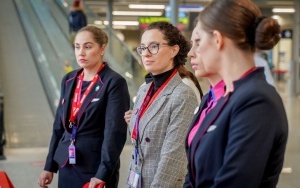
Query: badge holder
point(134, 179)
point(72, 153)
point(72, 149)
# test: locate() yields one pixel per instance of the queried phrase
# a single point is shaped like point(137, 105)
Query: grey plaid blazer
point(162, 130)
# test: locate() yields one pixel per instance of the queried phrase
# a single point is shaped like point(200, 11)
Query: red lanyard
point(147, 102)
point(77, 99)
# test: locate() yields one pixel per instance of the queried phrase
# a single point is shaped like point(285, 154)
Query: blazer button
point(147, 139)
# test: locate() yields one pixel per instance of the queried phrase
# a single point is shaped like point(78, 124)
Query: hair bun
point(267, 34)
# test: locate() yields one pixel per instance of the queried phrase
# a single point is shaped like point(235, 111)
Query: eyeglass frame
point(147, 47)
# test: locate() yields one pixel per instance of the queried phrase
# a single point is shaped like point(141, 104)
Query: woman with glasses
point(241, 141)
point(162, 111)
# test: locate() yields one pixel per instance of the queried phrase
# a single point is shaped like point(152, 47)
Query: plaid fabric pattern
point(162, 130)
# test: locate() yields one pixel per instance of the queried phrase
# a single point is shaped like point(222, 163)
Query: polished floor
point(23, 165)
point(28, 117)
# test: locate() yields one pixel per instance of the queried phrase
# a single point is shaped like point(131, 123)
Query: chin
point(148, 69)
point(199, 74)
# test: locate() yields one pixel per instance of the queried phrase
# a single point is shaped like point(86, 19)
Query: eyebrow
point(85, 43)
point(151, 42)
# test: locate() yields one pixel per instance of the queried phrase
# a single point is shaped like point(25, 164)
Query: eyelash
point(87, 47)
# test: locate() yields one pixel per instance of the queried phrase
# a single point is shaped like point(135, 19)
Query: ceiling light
point(138, 6)
point(134, 13)
point(276, 17)
point(119, 27)
point(283, 10)
point(187, 8)
point(128, 23)
point(98, 22)
point(117, 23)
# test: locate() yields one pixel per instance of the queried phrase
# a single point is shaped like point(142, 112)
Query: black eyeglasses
point(152, 48)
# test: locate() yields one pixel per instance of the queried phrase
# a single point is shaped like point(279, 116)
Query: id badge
point(72, 154)
point(134, 179)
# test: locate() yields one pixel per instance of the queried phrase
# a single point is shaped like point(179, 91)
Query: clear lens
point(152, 48)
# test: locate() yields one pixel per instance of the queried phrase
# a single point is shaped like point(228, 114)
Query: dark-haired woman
point(162, 111)
point(241, 142)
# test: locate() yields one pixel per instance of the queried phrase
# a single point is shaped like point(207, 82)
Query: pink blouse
point(215, 93)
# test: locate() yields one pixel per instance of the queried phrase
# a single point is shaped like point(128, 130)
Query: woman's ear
point(103, 47)
point(218, 39)
point(175, 50)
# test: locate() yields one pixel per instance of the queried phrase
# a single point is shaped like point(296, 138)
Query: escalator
point(46, 26)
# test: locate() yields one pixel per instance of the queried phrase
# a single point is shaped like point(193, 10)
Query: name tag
point(134, 179)
point(72, 154)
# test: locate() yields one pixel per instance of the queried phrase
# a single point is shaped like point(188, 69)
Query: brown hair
point(98, 34)
point(174, 37)
point(184, 73)
point(241, 21)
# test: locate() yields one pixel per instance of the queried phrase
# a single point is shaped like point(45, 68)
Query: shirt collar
point(217, 91)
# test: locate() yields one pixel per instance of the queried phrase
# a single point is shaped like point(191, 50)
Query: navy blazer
point(101, 134)
point(241, 142)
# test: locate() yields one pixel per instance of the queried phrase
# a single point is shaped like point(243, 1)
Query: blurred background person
point(260, 61)
point(67, 66)
point(77, 19)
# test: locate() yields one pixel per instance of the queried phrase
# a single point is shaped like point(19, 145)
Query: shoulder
point(183, 93)
point(255, 90)
point(109, 74)
point(192, 85)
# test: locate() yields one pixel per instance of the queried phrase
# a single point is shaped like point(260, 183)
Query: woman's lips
point(82, 60)
point(194, 65)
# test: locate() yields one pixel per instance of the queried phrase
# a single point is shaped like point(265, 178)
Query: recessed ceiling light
point(283, 10)
point(134, 13)
point(139, 6)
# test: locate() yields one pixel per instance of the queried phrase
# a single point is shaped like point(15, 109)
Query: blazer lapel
point(196, 116)
point(94, 93)
point(158, 103)
point(207, 122)
point(70, 85)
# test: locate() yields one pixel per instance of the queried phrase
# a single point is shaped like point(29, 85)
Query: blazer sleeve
point(115, 130)
point(250, 142)
point(173, 162)
point(57, 132)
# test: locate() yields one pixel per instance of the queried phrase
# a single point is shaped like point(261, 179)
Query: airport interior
point(34, 44)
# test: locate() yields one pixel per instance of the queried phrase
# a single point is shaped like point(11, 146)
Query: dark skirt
point(70, 176)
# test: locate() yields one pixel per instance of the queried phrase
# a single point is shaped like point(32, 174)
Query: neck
point(236, 63)
point(213, 80)
point(88, 74)
point(159, 79)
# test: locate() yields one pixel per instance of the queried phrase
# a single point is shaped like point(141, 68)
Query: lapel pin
point(211, 128)
point(196, 110)
point(97, 88)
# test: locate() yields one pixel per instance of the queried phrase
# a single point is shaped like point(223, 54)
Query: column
point(293, 86)
point(174, 12)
